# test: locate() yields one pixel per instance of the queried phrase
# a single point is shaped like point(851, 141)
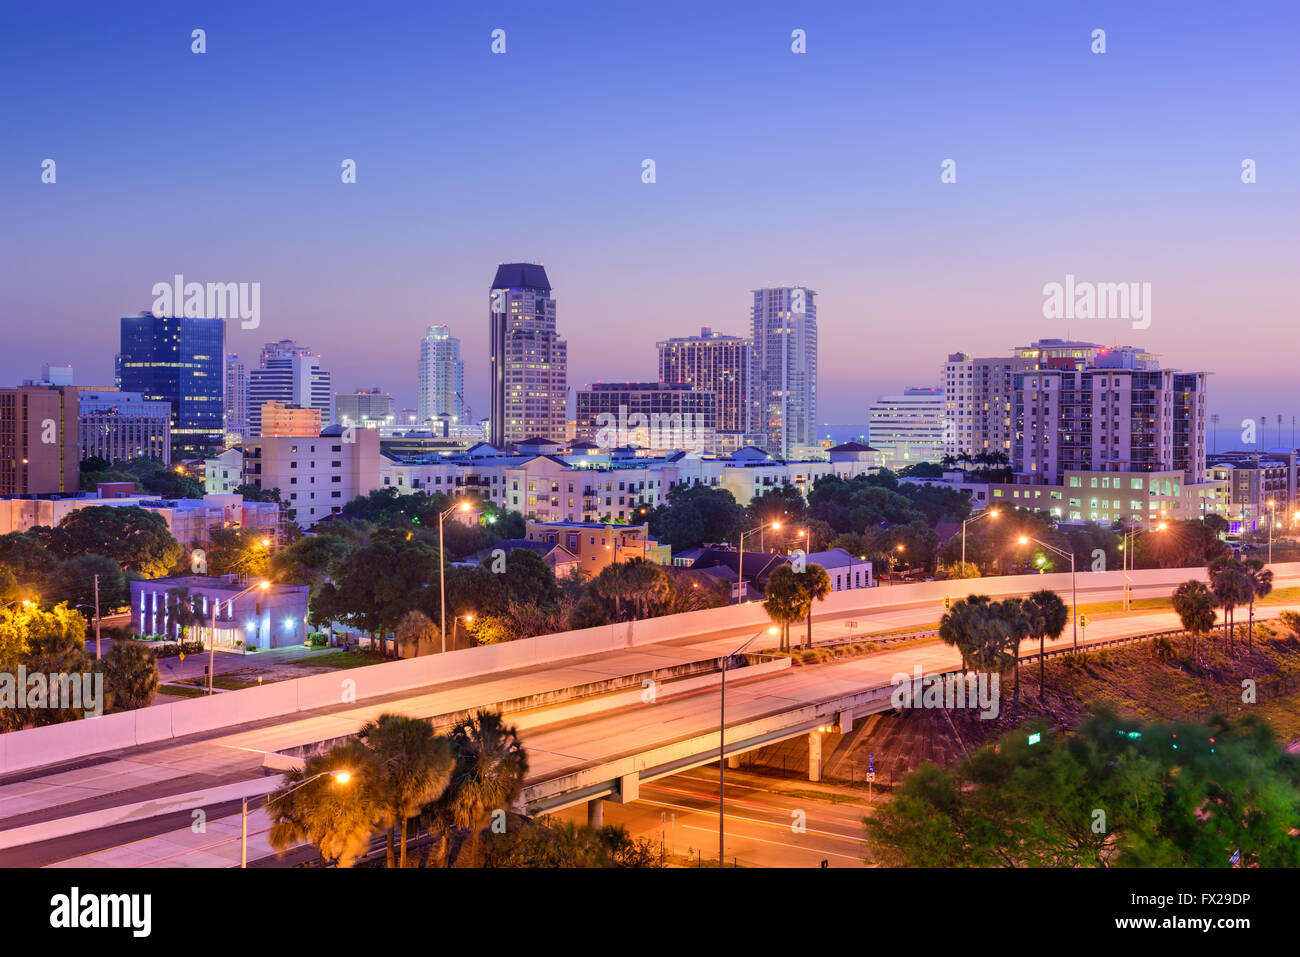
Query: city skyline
point(890, 248)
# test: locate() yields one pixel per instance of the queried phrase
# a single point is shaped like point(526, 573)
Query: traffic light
point(1083, 621)
point(947, 602)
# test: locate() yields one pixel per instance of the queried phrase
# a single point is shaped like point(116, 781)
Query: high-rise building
point(364, 410)
point(1122, 414)
point(292, 375)
point(179, 360)
point(442, 377)
point(908, 428)
point(783, 370)
point(715, 363)
point(38, 440)
point(659, 416)
point(121, 426)
point(529, 361)
point(236, 399)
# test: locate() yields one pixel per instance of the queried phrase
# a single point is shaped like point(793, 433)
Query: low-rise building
point(596, 544)
point(189, 520)
point(316, 474)
point(232, 614)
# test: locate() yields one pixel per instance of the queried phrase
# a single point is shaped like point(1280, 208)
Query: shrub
point(1291, 619)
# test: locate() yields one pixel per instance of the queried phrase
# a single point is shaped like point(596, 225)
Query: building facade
point(441, 386)
point(783, 369)
point(279, 419)
point(908, 428)
point(180, 361)
point(316, 475)
point(121, 426)
point(39, 451)
point(712, 362)
point(236, 397)
point(528, 374)
point(658, 416)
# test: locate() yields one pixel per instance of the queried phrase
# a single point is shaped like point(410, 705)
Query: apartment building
point(316, 474)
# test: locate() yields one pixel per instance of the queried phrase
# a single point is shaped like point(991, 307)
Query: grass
point(182, 691)
point(348, 659)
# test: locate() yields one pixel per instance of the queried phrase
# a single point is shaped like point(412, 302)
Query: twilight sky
point(820, 169)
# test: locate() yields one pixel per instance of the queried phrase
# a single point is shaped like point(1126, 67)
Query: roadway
point(601, 734)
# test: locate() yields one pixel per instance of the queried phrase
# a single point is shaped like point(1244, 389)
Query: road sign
point(871, 775)
point(181, 656)
point(871, 762)
point(1035, 737)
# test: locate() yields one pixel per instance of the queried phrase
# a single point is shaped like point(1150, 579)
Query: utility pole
point(98, 655)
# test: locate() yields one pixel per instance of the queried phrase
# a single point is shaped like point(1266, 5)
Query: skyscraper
point(236, 400)
point(783, 370)
point(529, 361)
point(292, 375)
point(178, 360)
point(713, 363)
point(442, 376)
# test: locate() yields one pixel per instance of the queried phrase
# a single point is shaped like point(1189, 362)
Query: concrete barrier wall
point(39, 746)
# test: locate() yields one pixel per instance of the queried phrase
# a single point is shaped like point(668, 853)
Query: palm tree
point(612, 584)
point(1017, 624)
point(816, 585)
point(490, 766)
point(1194, 604)
point(412, 767)
point(339, 819)
point(784, 600)
point(1260, 582)
point(962, 626)
point(646, 584)
point(1230, 587)
point(1047, 617)
point(131, 675)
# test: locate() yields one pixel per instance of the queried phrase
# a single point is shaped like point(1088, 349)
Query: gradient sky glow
point(819, 169)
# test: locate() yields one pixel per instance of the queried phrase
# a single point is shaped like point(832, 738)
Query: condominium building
point(121, 426)
point(908, 428)
point(441, 377)
point(1124, 414)
point(712, 362)
point(783, 369)
point(316, 474)
point(38, 440)
point(528, 374)
point(292, 375)
point(179, 360)
point(658, 416)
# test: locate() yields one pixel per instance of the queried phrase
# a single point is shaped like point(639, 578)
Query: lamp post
point(1074, 593)
point(467, 619)
point(442, 576)
point(1272, 505)
point(989, 513)
point(722, 730)
point(341, 776)
point(740, 570)
point(1130, 543)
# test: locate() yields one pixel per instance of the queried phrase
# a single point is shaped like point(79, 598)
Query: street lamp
point(442, 577)
point(342, 776)
point(1129, 545)
point(1074, 593)
point(991, 513)
point(1272, 505)
point(722, 729)
point(467, 619)
point(740, 570)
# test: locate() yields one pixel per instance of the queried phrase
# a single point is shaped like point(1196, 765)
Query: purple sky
point(819, 169)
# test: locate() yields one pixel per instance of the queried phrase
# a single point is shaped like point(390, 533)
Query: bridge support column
point(733, 761)
point(814, 755)
point(596, 813)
